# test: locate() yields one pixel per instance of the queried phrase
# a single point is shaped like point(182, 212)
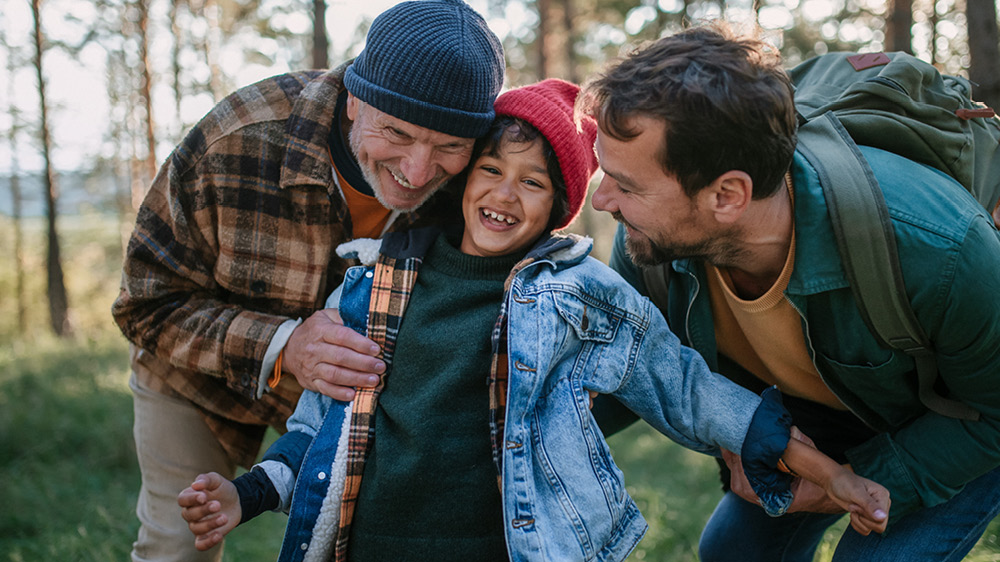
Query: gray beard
point(375, 183)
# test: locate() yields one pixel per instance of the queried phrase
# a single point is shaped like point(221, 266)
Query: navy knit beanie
point(432, 63)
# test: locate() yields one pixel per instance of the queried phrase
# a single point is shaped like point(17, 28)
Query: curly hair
point(725, 99)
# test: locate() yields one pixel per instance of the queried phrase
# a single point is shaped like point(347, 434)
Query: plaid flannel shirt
point(235, 236)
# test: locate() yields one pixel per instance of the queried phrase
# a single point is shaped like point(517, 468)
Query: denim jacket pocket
point(591, 320)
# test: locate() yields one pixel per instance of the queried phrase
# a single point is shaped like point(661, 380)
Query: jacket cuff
point(879, 459)
point(256, 492)
point(244, 348)
point(278, 342)
point(766, 440)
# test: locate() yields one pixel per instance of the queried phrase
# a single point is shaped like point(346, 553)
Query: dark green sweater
point(429, 490)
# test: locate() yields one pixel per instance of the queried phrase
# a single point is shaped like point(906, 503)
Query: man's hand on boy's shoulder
point(329, 358)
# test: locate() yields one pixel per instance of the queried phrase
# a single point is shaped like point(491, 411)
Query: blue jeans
point(740, 530)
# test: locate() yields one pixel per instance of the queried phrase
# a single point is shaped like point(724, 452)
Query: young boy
point(552, 324)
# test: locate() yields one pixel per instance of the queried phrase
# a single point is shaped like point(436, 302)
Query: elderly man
point(234, 242)
point(697, 140)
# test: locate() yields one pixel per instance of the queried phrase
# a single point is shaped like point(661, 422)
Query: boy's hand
point(211, 506)
point(867, 501)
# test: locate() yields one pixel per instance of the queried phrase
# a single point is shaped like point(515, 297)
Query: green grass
point(68, 475)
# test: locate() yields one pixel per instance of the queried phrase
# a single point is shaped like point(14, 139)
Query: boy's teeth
point(402, 181)
point(499, 217)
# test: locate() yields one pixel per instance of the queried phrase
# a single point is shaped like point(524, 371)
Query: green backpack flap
point(897, 103)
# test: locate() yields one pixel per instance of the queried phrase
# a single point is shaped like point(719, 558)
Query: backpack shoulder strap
point(867, 247)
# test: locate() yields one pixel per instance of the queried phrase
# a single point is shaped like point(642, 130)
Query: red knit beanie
point(548, 105)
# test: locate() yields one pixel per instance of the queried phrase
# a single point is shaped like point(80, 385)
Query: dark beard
point(646, 253)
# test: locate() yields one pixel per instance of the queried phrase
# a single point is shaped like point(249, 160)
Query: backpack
point(898, 103)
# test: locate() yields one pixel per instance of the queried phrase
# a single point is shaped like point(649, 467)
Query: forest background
point(95, 94)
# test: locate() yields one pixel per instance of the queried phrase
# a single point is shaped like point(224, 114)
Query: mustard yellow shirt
point(764, 335)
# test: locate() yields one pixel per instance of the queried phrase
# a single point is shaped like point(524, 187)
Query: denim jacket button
point(518, 523)
point(304, 546)
point(512, 444)
point(321, 476)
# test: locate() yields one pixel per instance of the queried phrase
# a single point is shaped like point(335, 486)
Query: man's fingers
point(858, 524)
point(342, 336)
point(350, 359)
point(342, 393)
point(338, 375)
point(333, 315)
point(864, 524)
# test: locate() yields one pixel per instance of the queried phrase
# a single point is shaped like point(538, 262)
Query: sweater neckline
point(445, 257)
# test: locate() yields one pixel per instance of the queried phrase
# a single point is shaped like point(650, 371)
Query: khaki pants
point(173, 446)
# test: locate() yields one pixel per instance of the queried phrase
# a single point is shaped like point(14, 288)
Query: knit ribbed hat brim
point(432, 63)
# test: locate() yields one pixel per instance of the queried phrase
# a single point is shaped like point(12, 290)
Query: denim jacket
point(573, 325)
point(949, 252)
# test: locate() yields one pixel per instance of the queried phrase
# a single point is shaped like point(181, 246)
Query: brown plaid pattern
point(392, 286)
point(498, 388)
point(498, 373)
point(235, 236)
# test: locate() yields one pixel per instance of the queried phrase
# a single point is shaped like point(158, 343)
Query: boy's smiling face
point(507, 201)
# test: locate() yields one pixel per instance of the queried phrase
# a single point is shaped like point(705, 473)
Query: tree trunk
point(572, 73)
point(15, 195)
point(15, 190)
point(16, 199)
point(56, 288)
point(898, 34)
point(209, 42)
point(146, 90)
point(541, 36)
point(984, 51)
point(120, 100)
point(175, 65)
point(321, 45)
point(933, 18)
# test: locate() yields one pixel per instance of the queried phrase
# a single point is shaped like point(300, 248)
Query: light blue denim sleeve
point(284, 457)
point(671, 387)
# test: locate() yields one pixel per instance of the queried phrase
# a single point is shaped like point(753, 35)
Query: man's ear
point(352, 106)
point(729, 195)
